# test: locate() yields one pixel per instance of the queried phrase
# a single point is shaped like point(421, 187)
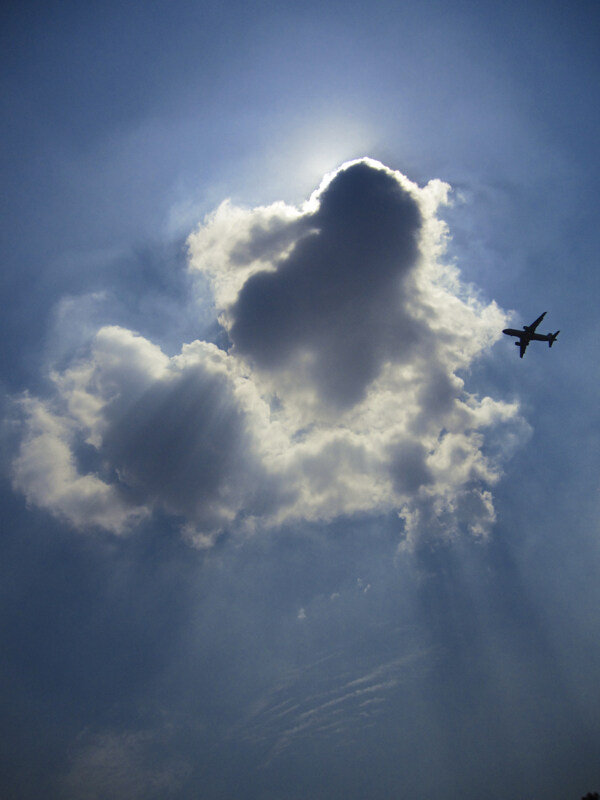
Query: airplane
point(528, 334)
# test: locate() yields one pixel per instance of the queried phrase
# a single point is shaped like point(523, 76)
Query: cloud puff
point(131, 430)
point(339, 391)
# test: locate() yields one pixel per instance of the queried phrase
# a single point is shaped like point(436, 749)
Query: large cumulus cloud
point(339, 390)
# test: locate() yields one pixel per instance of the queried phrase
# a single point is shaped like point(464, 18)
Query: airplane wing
point(534, 325)
point(523, 342)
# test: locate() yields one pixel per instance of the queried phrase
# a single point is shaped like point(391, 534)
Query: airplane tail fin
point(552, 338)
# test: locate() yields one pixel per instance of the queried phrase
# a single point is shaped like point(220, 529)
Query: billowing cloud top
point(338, 393)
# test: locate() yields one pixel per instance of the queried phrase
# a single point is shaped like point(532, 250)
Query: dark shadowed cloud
point(335, 300)
point(183, 445)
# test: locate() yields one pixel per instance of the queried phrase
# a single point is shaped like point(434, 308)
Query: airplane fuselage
point(523, 334)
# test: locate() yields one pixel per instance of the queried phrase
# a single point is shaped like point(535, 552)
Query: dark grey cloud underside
point(337, 297)
point(183, 445)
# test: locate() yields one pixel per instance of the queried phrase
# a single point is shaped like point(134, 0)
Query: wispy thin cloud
point(123, 764)
point(339, 706)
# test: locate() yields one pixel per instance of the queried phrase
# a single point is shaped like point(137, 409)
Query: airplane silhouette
point(528, 334)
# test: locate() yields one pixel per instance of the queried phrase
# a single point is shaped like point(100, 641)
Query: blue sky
point(284, 514)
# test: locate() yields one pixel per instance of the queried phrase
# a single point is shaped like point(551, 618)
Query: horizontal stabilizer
point(552, 338)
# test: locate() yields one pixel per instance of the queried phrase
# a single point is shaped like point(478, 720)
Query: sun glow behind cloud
point(323, 143)
point(303, 151)
point(338, 393)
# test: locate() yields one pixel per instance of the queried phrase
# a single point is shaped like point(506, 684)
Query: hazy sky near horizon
point(284, 514)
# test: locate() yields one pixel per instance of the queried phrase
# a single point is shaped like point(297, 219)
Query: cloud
point(331, 309)
point(340, 391)
point(132, 430)
point(130, 764)
point(328, 700)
